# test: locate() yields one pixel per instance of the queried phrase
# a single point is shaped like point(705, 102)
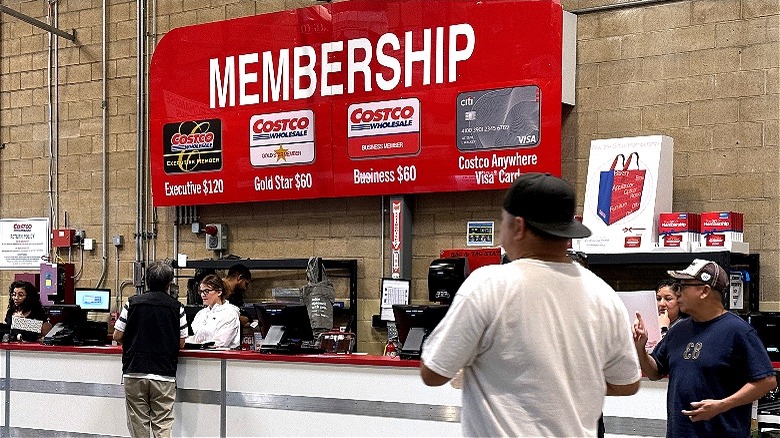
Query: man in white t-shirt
point(541, 340)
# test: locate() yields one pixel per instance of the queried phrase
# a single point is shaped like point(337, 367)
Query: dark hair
point(32, 302)
point(193, 294)
point(159, 276)
point(674, 285)
point(671, 283)
point(214, 282)
point(239, 269)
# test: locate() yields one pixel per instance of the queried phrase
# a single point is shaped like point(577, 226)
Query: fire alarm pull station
point(216, 237)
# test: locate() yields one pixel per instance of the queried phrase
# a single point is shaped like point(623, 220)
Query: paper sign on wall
point(24, 243)
point(480, 233)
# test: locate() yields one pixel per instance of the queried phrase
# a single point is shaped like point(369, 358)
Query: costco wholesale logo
point(381, 129)
point(192, 146)
point(24, 227)
point(281, 138)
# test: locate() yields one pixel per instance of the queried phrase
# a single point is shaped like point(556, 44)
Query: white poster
point(24, 243)
point(629, 183)
point(643, 301)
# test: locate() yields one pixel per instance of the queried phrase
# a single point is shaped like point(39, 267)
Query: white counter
point(59, 391)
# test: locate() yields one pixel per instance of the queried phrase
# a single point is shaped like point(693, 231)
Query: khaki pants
point(149, 406)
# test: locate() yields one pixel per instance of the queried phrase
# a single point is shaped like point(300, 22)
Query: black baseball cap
point(546, 203)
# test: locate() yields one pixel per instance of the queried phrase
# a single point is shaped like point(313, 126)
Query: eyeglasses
point(207, 291)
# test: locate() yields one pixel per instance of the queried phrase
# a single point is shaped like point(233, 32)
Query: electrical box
point(118, 240)
point(216, 237)
point(138, 274)
point(57, 283)
point(63, 237)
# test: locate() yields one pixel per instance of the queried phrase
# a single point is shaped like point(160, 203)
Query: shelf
point(642, 271)
point(723, 258)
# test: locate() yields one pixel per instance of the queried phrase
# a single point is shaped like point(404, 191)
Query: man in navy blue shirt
point(717, 365)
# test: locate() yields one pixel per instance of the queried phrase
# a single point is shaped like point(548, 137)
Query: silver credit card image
point(501, 118)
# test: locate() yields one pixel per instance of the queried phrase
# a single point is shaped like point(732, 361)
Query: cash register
point(416, 322)
point(70, 323)
point(286, 328)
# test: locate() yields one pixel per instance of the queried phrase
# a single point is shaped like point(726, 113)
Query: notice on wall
point(736, 292)
point(394, 291)
point(480, 233)
point(24, 243)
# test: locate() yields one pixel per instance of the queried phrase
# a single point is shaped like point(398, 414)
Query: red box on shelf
point(676, 228)
point(719, 227)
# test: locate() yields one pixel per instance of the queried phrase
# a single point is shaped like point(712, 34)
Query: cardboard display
point(629, 184)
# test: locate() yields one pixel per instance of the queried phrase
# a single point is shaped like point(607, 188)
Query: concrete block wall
point(704, 72)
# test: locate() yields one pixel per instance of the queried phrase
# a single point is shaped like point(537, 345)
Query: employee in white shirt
point(218, 321)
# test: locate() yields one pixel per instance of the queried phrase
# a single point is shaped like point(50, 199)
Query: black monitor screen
point(293, 317)
point(190, 310)
point(70, 314)
point(249, 311)
point(94, 300)
point(767, 326)
point(422, 316)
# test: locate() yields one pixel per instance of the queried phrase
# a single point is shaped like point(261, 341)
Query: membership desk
point(77, 391)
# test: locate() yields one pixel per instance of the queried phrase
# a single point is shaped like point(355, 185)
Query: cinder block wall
point(703, 72)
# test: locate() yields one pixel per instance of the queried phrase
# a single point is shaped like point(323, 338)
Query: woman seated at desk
point(25, 302)
point(218, 321)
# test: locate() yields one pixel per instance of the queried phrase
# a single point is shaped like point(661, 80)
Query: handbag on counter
point(318, 295)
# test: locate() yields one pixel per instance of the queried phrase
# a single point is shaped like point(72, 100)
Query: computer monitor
point(248, 310)
point(190, 310)
point(94, 300)
point(414, 324)
point(68, 314)
point(767, 326)
point(283, 326)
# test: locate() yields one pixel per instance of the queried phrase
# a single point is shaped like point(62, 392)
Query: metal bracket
point(38, 23)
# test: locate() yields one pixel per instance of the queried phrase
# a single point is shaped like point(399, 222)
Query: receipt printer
point(445, 277)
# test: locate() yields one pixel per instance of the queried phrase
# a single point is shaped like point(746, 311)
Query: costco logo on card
point(281, 138)
point(380, 129)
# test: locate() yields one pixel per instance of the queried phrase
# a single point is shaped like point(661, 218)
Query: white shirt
point(537, 341)
point(218, 324)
